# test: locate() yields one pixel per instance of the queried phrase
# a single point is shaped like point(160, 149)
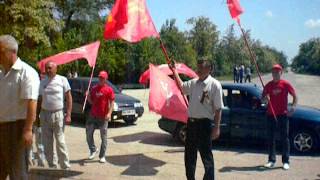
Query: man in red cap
point(277, 92)
point(101, 98)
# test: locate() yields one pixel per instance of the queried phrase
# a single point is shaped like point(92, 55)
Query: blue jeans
point(199, 139)
point(101, 124)
point(282, 124)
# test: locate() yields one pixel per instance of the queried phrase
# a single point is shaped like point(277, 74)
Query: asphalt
point(143, 151)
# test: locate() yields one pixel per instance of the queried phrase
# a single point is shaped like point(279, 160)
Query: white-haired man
point(19, 87)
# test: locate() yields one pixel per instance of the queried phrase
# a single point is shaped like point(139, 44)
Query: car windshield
point(257, 92)
point(96, 81)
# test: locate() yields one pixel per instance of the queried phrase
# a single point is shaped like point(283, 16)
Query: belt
point(8, 122)
point(51, 111)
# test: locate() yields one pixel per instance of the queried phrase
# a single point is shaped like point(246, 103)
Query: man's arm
point(88, 94)
point(216, 128)
point(294, 100)
point(69, 106)
point(294, 104)
point(109, 111)
point(31, 116)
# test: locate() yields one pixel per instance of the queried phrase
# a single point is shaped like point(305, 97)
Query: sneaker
point(102, 160)
point(93, 154)
point(269, 165)
point(286, 166)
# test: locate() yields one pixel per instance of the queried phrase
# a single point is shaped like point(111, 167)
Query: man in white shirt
point(53, 90)
point(205, 107)
point(19, 87)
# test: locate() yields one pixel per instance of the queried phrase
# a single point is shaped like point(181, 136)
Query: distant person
point(69, 74)
point(235, 74)
point(241, 73)
point(277, 91)
point(205, 106)
point(54, 90)
point(19, 88)
point(75, 74)
point(248, 74)
point(101, 97)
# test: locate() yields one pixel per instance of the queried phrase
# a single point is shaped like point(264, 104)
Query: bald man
point(54, 89)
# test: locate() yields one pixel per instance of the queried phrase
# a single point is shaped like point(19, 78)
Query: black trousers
point(282, 124)
point(248, 78)
point(199, 139)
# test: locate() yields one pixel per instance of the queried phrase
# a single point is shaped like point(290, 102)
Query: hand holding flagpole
point(88, 90)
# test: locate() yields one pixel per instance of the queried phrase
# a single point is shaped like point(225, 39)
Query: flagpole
point(169, 62)
point(254, 61)
point(87, 92)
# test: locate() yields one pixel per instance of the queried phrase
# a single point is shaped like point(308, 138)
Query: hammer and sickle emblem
point(169, 94)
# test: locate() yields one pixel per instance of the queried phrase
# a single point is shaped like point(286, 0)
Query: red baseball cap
point(103, 74)
point(277, 67)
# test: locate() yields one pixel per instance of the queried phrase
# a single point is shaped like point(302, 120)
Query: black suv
point(125, 107)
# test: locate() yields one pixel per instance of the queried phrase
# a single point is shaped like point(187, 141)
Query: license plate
point(128, 112)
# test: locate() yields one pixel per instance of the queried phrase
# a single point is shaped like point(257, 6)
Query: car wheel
point(130, 120)
point(303, 141)
point(181, 133)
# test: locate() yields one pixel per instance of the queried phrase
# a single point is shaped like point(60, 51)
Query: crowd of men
point(22, 92)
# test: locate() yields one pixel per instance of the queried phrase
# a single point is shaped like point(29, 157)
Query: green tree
point(203, 36)
point(71, 11)
point(177, 44)
point(31, 22)
point(308, 58)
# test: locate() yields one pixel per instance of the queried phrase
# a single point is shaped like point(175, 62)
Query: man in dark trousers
point(204, 109)
point(277, 92)
point(101, 97)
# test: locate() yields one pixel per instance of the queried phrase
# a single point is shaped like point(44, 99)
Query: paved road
point(143, 151)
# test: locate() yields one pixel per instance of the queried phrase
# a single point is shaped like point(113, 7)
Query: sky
point(283, 24)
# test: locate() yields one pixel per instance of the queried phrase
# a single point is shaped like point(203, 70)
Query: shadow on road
point(51, 174)
point(248, 168)
point(139, 164)
point(82, 162)
point(239, 148)
point(114, 124)
point(147, 137)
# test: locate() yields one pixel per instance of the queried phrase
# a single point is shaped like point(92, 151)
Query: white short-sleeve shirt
point(53, 92)
point(21, 83)
point(204, 97)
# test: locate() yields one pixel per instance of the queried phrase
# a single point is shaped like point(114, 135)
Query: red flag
point(89, 52)
point(181, 68)
point(235, 9)
point(165, 97)
point(129, 20)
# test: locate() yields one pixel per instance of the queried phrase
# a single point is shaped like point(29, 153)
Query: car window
point(96, 81)
point(244, 99)
point(75, 85)
point(236, 98)
point(225, 95)
point(115, 89)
